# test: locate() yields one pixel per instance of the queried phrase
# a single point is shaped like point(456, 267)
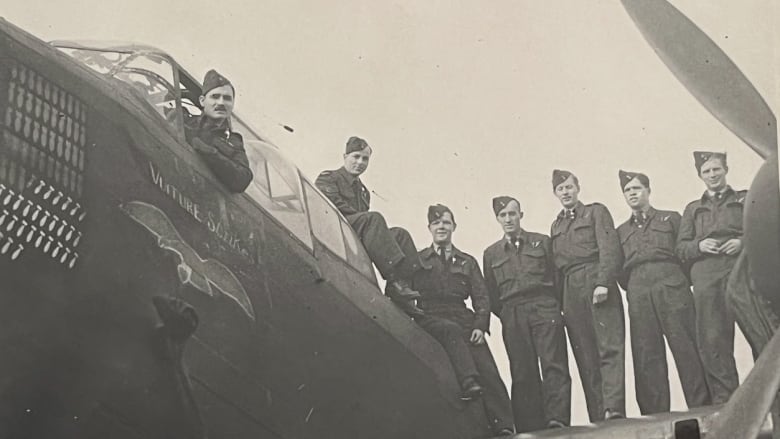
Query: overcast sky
point(460, 100)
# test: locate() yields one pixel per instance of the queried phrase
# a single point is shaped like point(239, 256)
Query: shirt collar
point(447, 248)
point(433, 250)
point(577, 208)
point(649, 214)
point(521, 235)
point(708, 195)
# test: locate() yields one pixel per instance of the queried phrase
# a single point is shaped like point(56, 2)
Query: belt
point(528, 296)
point(579, 266)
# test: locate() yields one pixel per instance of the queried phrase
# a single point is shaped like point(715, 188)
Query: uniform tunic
point(520, 281)
point(392, 250)
point(659, 304)
point(587, 251)
point(224, 151)
point(444, 286)
point(719, 218)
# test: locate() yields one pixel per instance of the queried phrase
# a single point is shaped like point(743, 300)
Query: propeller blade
point(744, 414)
point(707, 72)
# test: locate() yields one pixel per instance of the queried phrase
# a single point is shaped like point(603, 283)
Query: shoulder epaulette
point(494, 245)
point(696, 201)
point(539, 236)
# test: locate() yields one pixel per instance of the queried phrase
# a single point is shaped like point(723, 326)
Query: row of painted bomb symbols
point(43, 88)
point(22, 158)
point(56, 148)
point(14, 247)
point(25, 221)
point(34, 111)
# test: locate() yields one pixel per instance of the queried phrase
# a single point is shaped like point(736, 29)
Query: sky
point(461, 101)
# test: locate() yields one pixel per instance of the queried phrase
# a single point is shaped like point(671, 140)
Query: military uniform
point(221, 149)
point(587, 252)
point(718, 217)
point(392, 250)
point(659, 303)
point(520, 276)
point(444, 283)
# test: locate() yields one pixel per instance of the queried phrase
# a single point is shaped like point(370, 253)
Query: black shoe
point(401, 290)
point(409, 307)
point(613, 414)
point(505, 432)
point(555, 424)
point(470, 389)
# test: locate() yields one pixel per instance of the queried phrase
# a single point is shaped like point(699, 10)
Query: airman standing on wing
point(709, 241)
point(659, 301)
point(587, 252)
point(521, 281)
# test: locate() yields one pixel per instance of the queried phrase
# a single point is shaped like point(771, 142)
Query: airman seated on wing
point(447, 278)
point(390, 249)
point(211, 136)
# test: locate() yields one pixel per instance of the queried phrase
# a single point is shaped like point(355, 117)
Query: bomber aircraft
point(142, 299)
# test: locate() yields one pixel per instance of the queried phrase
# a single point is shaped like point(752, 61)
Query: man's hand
point(477, 337)
point(731, 247)
point(600, 294)
point(202, 147)
point(709, 245)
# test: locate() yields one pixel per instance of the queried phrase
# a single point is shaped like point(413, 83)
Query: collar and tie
point(516, 241)
point(570, 214)
point(719, 195)
point(639, 219)
point(442, 252)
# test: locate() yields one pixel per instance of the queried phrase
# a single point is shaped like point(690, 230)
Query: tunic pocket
point(534, 260)
point(584, 234)
point(734, 211)
point(702, 216)
point(500, 269)
point(662, 234)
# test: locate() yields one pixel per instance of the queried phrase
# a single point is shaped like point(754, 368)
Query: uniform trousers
point(597, 336)
point(472, 360)
point(392, 250)
point(715, 325)
point(660, 304)
point(534, 334)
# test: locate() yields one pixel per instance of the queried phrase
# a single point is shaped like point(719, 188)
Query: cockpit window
point(325, 221)
point(150, 75)
point(276, 186)
point(333, 231)
point(101, 61)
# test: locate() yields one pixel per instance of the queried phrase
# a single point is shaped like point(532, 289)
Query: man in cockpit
point(211, 136)
point(392, 250)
